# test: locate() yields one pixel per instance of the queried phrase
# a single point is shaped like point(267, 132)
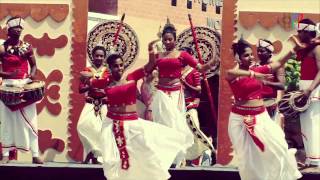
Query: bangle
point(198, 66)
point(252, 74)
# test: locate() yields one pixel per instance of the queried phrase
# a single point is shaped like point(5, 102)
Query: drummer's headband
point(264, 44)
point(16, 22)
point(306, 27)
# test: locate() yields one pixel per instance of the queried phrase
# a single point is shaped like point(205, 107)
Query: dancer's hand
point(150, 45)
point(13, 74)
point(263, 77)
point(315, 41)
point(305, 96)
point(306, 92)
point(297, 44)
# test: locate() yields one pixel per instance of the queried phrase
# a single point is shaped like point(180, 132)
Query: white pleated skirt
point(89, 129)
point(169, 110)
point(276, 162)
point(152, 149)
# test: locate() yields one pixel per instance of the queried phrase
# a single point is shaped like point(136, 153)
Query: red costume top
point(268, 91)
point(125, 94)
point(309, 68)
point(172, 67)
point(100, 80)
point(17, 59)
point(192, 77)
point(246, 88)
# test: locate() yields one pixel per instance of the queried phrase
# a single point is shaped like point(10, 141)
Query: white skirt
point(89, 129)
point(276, 162)
point(151, 147)
point(18, 128)
point(310, 125)
point(169, 110)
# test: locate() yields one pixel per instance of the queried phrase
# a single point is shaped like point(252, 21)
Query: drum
point(271, 105)
point(33, 91)
point(290, 105)
point(297, 104)
point(11, 95)
point(86, 74)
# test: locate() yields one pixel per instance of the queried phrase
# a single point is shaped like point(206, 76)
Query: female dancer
point(168, 106)
point(93, 80)
point(134, 148)
point(258, 141)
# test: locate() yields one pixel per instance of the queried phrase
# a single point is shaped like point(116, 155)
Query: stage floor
point(70, 171)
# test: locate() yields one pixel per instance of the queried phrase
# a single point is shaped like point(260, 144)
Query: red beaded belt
point(169, 88)
point(246, 110)
point(191, 105)
point(123, 116)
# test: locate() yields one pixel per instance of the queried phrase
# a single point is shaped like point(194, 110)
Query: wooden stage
point(69, 171)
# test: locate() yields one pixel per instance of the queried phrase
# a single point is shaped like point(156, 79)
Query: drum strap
point(29, 123)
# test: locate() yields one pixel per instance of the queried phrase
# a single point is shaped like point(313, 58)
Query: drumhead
point(86, 74)
point(34, 85)
point(12, 89)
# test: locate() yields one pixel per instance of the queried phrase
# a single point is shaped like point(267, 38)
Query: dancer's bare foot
point(5, 160)
point(95, 161)
point(88, 158)
point(36, 160)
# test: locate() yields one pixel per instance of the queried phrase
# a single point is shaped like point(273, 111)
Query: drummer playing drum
point(18, 122)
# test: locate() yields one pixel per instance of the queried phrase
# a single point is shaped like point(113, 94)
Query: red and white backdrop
point(57, 31)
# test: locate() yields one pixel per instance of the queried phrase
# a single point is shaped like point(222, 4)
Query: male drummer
point(272, 89)
point(309, 84)
point(18, 122)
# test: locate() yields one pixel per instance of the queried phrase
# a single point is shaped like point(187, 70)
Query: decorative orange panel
point(78, 57)
point(268, 20)
point(45, 45)
point(227, 62)
point(38, 12)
